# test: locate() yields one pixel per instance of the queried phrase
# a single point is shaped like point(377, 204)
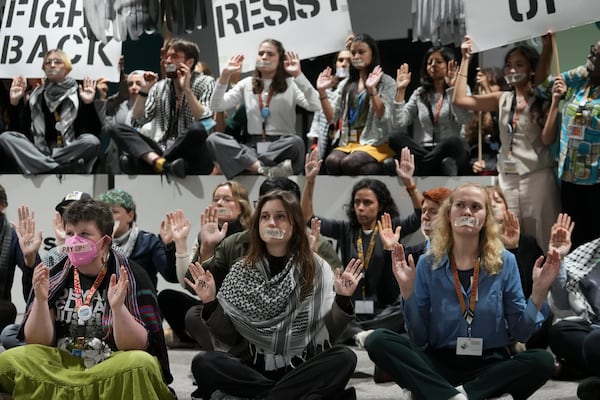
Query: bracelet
point(411, 188)
point(143, 94)
point(322, 98)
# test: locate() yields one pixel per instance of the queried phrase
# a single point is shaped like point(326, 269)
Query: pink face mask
point(80, 250)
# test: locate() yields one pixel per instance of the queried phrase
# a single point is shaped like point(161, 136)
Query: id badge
point(466, 346)
point(364, 307)
point(262, 147)
point(576, 131)
point(353, 136)
point(510, 167)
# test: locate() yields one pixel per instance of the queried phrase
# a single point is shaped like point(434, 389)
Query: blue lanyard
point(353, 112)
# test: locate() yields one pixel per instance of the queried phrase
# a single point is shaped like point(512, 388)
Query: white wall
point(154, 197)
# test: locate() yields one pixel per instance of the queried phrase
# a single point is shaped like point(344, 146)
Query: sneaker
point(283, 169)
point(449, 167)
point(589, 388)
point(175, 168)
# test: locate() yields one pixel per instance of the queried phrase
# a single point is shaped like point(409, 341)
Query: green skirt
point(41, 372)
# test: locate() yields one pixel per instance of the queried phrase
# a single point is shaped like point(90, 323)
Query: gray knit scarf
point(126, 242)
point(270, 313)
point(61, 98)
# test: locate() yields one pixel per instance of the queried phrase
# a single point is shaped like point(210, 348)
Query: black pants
point(577, 201)
point(428, 161)
point(435, 373)
point(577, 346)
point(322, 377)
point(173, 306)
point(189, 145)
point(8, 313)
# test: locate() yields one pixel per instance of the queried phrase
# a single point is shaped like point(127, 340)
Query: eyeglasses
point(51, 61)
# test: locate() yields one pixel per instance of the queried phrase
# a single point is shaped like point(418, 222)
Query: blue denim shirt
point(433, 315)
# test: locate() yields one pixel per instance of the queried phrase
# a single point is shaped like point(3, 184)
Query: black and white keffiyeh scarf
point(126, 242)
point(270, 313)
point(579, 264)
point(60, 98)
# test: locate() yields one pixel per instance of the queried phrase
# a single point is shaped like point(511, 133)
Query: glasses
point(56, 61)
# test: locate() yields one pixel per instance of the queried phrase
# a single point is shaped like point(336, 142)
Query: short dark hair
point(189, 49)
point(90, 210)
point(279, 183)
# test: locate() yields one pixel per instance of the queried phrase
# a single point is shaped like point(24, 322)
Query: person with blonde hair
point(462, 304)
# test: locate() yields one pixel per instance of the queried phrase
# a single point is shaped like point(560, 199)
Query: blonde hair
point(240, 194)
point(490, 244)
point(62, 55)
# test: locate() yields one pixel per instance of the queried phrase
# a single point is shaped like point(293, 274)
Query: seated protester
point(172, 113)
point(460, 305)
point(323, 135)
point(372, 228)
point(18, 248)
point(430, 206)
point(144, 248)
point(574, 339)
point(437, 136)
point(363, 102)
point(56, 128)
point(228, 213)
point(270, 97)
point(92, 325)
point(224, 250)
point(487, 123)
point(278, 312)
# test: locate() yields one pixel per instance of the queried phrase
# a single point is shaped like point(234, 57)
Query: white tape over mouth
point(358, 63)
point(426, 225)
point(223, 212)
point(262, 64)
point(514, 78)
point(274, 233)
point(74, 248)
point(466, 221)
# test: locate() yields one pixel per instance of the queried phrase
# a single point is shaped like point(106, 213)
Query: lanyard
point(79, 304)
point(467, 313)
point(359, 246)
point(264, 109)
point(354, 111)
point(585, 97)
point(59, 128)
point(513, 118)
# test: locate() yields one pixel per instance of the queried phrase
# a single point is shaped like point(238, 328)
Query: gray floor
point(365, 387)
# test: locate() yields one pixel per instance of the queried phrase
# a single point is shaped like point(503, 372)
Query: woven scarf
point(59, 97)
point(5, 243)
point(270, 313)
point(126, 242)
point(579, 264)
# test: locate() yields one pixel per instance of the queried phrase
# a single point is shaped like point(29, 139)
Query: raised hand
point(511, 230)
point(452, 73)
point(312, 165)
point(346, 282)
point(560, 236)
point(315, 234)
point(466, 48)
point(18, 88)
point(292, 63)
point(389, 237)
point(373, 79)
point(403, 76)
point(29, 240)
point(325, 79)
point(166, 233)
point(117, 290)
point(87, 91)
point(559, 88)
point(41, 282)
point(150, 78)
point(234, 65)
point(180, 226)
point(210, 232)
point(404, 272)
point(405, 168)
point(59, 229)
point(544, 275)
point(204, 283)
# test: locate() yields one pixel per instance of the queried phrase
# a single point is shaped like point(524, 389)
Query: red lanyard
point(77, 287)
point(467, 313)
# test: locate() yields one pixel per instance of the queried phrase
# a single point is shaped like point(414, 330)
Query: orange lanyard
point(79, 303)
point(467, 313)
point(359, 247)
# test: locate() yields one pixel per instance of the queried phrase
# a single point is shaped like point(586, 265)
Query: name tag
point(364, 307)
point(353, 136)
point(466, 346)
point(262, 147)
point(510, 167)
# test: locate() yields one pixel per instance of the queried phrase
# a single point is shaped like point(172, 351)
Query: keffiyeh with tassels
point(579, 263)
point(270, 313)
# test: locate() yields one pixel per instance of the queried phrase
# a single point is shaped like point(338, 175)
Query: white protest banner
point(309, 27)
point(32, 27)
point(494, 23)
